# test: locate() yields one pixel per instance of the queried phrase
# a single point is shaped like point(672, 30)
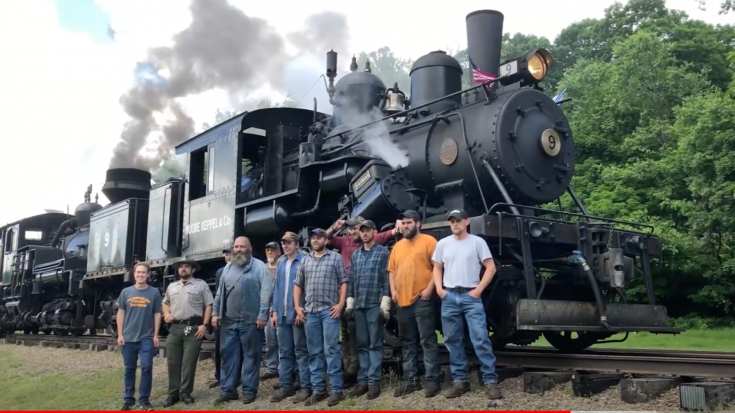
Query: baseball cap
point(410, 213)
point(290, 236)
point(271, 244)
point(318, 232)
point(226, 250)
point(368, 224)
point(354, 221)
point(457, 213)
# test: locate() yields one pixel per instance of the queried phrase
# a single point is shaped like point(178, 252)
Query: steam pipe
point(578, 258)
point(312, 211)
point(63, 227)
point(499, 184)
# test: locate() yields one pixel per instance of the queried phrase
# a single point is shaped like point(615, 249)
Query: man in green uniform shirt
point(187, 308)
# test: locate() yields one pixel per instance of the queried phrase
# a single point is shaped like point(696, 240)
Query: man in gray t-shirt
point(461, 257)
point(138, 323)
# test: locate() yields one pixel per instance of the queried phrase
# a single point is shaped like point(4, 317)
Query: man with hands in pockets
point(461, 256)
point(138, 324)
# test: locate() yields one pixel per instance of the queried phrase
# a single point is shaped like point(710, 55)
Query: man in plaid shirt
point(323, 278)
point(368, 296)
point(347, 244)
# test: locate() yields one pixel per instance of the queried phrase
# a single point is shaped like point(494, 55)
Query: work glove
point(350, 309)
point(385, 307)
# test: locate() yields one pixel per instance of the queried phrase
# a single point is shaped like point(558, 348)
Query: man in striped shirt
point(368, 297)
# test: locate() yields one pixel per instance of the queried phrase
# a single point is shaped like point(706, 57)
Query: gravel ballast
point(37, 359)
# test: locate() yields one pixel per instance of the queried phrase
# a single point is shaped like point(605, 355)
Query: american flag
point(478, 76)
point(559, 96)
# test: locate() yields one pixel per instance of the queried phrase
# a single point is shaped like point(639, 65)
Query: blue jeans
point(456, 305)
point(271, 346)
point(369, 332)
point(322, 339)
point(130, 353)
point(293, 352)
point(236, 335)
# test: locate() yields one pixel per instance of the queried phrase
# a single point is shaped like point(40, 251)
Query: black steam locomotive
point(500, 150)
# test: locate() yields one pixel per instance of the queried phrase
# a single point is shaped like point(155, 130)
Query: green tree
point(389, 68)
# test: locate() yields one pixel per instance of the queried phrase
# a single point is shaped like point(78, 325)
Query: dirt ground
point(35, 360)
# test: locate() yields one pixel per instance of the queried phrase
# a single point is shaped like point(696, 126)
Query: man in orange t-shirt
point(412, 289)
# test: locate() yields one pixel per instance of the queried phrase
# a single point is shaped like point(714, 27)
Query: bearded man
point(240, 311)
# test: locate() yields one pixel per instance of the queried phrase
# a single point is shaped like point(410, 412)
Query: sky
point(66, 63)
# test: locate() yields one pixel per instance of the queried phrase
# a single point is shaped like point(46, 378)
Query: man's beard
point(318, 247)
point(411, 233)
point(271, 260)
point(241, 259)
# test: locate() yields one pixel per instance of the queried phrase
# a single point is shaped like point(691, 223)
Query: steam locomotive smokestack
point(484, 39)
point(124, 183)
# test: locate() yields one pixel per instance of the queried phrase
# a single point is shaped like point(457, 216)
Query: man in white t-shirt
point(461, 256)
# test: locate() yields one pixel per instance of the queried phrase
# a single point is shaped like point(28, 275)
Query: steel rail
point(664, 363)
point(634, 361)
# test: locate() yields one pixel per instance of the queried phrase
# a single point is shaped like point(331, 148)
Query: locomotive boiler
point(502, 150)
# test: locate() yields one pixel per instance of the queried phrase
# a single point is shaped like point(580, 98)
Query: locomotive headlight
point(530, 68)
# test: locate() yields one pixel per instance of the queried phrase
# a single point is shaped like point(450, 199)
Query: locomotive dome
point(359, 90)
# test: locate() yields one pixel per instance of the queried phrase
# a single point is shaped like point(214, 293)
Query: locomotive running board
point(582, 316)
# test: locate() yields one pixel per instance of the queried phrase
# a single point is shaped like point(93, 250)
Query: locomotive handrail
point(576, 214)
point(398, 114)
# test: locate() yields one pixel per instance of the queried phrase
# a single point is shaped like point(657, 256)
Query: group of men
point(300, 303)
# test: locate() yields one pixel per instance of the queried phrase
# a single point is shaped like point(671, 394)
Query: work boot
point(432, 389)
point(282, 394)
point(335, 398)
point(359, 390)
point(268, 375)
point(187, 399)
point(248, 398)
point(493, 391)
point(405, 388)
point(145, 405)
point(170, 401)
point(302, 395)
point(458, 389)
point(126, 406)
point(373, 392)
point(224, 398)
point(213, 384)
point(315, 398)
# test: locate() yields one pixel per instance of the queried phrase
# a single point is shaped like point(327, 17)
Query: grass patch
point(719, 339)
point(713, 339)
point(32, 388)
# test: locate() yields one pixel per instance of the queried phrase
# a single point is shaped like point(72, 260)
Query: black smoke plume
point(222, 48)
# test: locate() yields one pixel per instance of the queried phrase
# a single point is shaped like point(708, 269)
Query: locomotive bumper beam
point(555, 315)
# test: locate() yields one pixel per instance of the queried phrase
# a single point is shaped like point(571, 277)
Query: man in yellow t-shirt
point(412, 289)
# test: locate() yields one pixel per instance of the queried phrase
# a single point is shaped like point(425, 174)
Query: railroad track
point(705, 364)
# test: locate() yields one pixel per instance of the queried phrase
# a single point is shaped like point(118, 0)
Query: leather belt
point(459, 290)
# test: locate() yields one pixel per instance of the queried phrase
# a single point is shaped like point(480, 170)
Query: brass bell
point(395, 102)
